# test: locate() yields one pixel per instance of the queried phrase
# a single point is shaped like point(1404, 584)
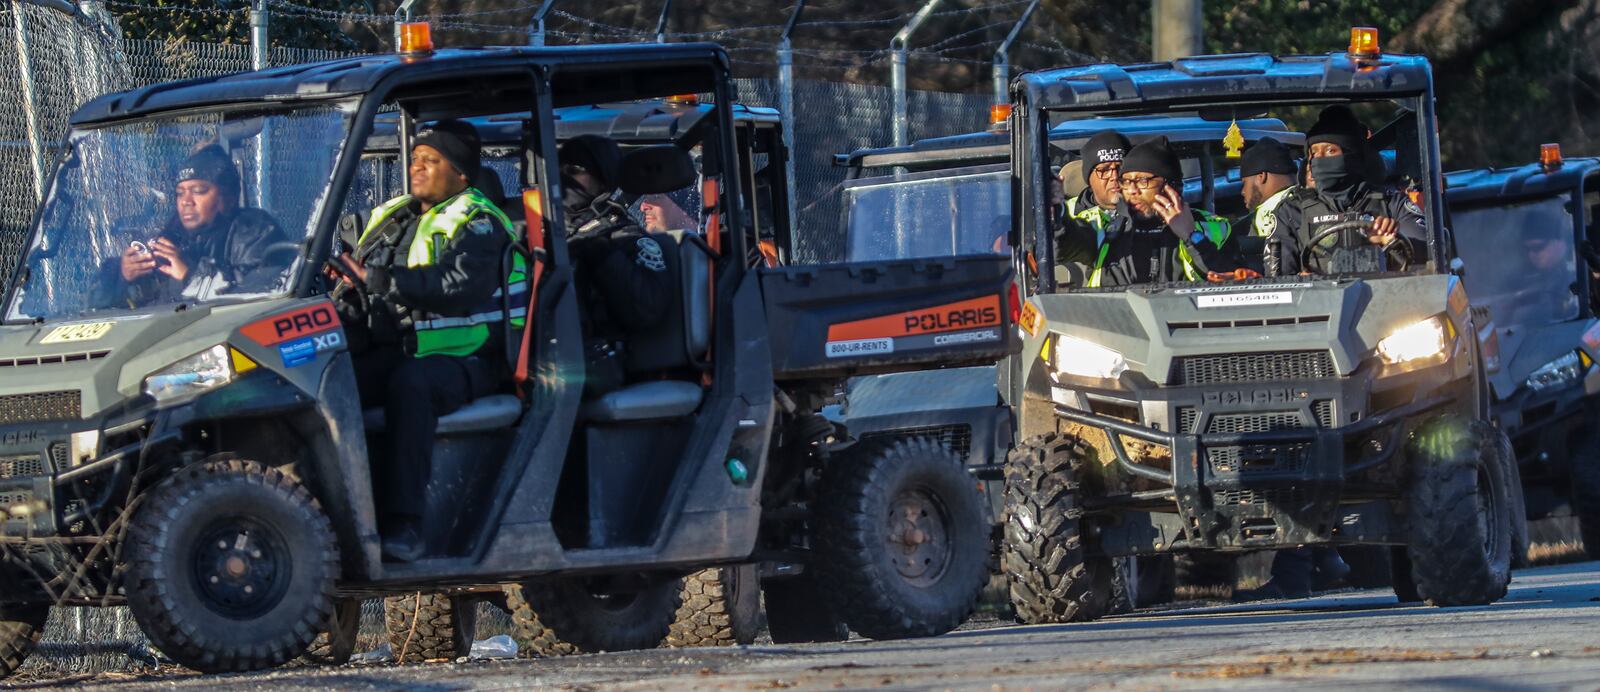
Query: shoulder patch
point(1412, 207)
point(650, 255)
point(480, 224)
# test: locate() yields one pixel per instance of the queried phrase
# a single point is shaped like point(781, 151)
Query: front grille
point(1255, 422)
point(958, 438)
point(21, 466)
point(58, 456)
point(1322, 410)
point(1252, 367)
point(1277, 497)
point(15, 497)
point(1238, 458)
point(41, 406)
point(1236, 423)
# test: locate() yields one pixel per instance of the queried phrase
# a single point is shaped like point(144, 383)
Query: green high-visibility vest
point(456, 335)
point(1096, 216)
point(1214, 227)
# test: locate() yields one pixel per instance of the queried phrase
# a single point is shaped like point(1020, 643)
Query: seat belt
point(713, 232)
point(533, 210)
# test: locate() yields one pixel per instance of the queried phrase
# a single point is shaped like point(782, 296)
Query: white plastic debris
point(498, 646)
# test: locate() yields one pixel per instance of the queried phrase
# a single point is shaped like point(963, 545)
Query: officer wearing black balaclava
point(1338, 191)
point(621, 271)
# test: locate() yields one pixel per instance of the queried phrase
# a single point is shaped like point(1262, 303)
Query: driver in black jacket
point(210, 246)
point(1337, 192)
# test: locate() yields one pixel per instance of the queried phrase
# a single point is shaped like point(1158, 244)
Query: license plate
point(68, 333)
point(861, 347)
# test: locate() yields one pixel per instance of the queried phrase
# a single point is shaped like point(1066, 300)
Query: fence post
point(661, 24)
point(786, 111)
point(536, 27)
point(1002, 61)
point(258, 35)
point(30, 98)
point(897, 76)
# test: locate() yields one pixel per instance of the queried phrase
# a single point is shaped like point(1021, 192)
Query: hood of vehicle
point(1525, 349)
point(1347, 317)
point(106, 359)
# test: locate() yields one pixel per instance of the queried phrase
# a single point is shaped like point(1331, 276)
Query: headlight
point(1558, 372)
point(1076, 356)
point(198, 373)
point(1424, 339)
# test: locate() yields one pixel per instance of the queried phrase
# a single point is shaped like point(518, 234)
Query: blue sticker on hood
point(298, 352)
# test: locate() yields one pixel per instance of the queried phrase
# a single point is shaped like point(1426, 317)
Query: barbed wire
point(739, 40)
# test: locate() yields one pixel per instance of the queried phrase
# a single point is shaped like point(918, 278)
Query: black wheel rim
point(918, 537)
point(241, 567)
point(1488, 509)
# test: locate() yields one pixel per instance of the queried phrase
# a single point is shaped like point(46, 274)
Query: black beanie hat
point(598, 155)
point(1337, 124)
point(212, 165)
point(1156, 158)
point(1267, 156)
point(1106, 146)
point(457, 142)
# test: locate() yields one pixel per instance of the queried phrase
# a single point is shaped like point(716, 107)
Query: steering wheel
point(1398, 250)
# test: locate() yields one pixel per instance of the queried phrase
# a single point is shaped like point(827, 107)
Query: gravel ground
point(1542, 636)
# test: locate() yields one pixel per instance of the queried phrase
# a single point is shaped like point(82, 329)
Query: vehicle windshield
point(961, 211)
point(192, 209)
point(1520, 260)
point(1364, 217)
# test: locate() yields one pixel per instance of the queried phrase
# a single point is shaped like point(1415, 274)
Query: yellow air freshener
point(1233, 142)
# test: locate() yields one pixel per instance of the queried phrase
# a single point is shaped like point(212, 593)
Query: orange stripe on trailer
point(966, 314)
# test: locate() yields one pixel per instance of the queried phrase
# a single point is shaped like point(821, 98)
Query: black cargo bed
point(841, 320)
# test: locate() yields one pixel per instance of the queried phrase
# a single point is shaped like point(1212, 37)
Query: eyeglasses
point(1107, 171)
point(1149, 182)
point(572, 169)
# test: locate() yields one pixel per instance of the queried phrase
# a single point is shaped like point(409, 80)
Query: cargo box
point(840, 320)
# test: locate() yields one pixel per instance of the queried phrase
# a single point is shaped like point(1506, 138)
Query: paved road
point(1545, 634)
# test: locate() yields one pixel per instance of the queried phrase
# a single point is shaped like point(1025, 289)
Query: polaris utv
point(206, 461)
point(1347, 408)
point(719, 605)
point(952, 195)
point(1526, 234)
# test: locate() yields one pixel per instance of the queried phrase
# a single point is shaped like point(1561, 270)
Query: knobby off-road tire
point(231, 567)
point(797, 613)
point(1053, 578)
point(1586, 498)
point(337, 642)
point(902, 539)
point(20, 629)
point(1124, 586)
point(718, 606)
point(1400, 579)
point(561, 617)
point(1460, 514)
point(429, 626)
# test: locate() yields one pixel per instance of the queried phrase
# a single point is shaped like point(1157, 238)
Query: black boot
point(403, 541)
point(1329, 569)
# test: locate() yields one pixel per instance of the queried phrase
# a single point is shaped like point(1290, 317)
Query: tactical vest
point(1317, 214)
point(456, 335)
point(1214, 227)
point(1265, 223)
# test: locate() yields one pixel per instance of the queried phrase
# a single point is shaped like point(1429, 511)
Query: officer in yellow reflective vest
point(434, 266)
point(1266, 172)
point(1155, 237)
point(1087, 214)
